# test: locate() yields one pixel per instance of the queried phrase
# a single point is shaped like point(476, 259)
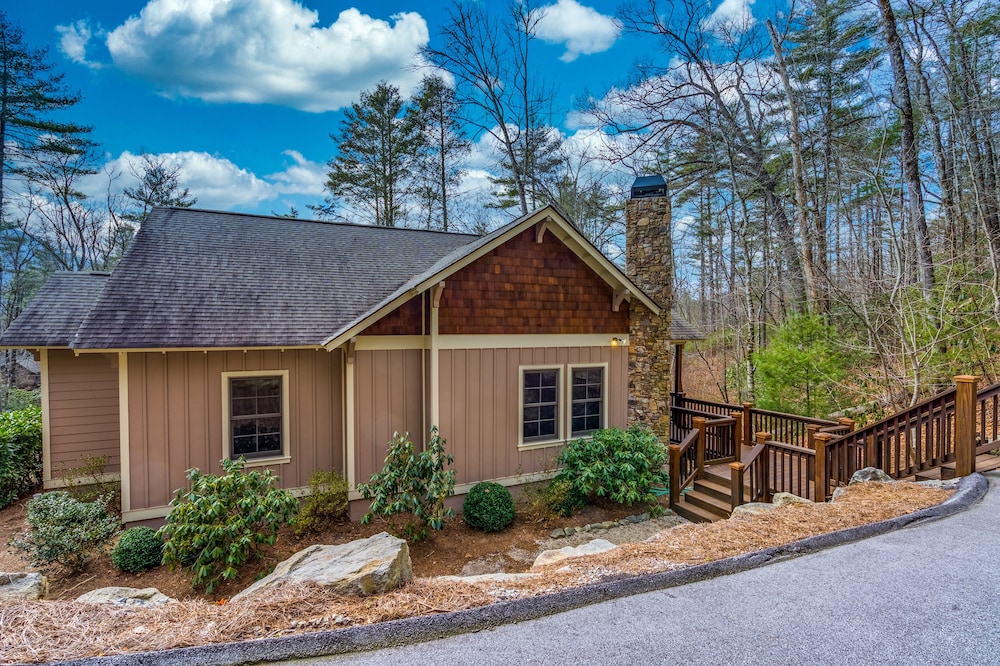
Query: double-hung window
point(561, 402)
point(256, 419)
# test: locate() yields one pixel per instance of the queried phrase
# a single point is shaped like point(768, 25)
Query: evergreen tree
point(444, 146)
point(378, 147)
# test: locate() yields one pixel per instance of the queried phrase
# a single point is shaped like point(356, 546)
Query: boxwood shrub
point(488, 507)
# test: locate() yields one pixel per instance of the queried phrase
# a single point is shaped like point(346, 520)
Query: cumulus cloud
point(732, 16)
point(266, 52)
point(301, 177)
point(582, 29)
point(73, 41)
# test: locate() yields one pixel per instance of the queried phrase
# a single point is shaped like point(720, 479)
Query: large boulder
point(22, 586)
point(594, 547)
point(367, 566)
point(870, 474)
point(784, 499)
point(752, 509)
point(146, 597)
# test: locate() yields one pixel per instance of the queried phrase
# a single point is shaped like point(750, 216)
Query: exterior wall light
point(617, 342)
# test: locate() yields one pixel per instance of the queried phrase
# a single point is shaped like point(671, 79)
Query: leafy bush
point(488, 507)
point(86, 482)
point(221, 521)
point(20, 453)
point(64, 530)
point(326, 502)
point(17, 399)
point(562, 498)
point(414, 484)
point(138, 549)
point(619, 464)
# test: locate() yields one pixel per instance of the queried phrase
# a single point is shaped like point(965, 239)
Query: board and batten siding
point(82, 410)
point(389, 398)
point(479, 406)
point(176, 416)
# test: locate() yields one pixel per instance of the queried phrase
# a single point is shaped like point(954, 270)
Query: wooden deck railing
point(708, 442)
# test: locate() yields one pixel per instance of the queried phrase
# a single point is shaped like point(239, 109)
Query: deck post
point(812, 429)
point(850, 423)
point(737, 435)
point(747, 423)
point(765, 464)
point(820, 483)
point(674, 471)
point(965, 425)
point(699, 424)
point(736, 472)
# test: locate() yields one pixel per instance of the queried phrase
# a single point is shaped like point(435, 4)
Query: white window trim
point(560, 408)
point(285, 455)
point(569, 397)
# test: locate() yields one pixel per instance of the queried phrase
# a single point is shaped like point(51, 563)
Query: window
point(540, 412)
point(552, 413)
point(256, 420)
point(586, 401)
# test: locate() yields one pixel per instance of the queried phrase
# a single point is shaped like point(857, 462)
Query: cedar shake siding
point(407, 319)
point(523, 287)
point(176, 416)
point(479, 406)
point(389, 399)
point(82, 410)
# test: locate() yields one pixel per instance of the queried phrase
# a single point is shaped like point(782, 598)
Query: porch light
point(617, 342)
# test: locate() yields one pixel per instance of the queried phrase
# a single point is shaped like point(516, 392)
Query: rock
point(585, 528)
point(590, 548)
point(870, 474)
point(784, 499)
point(945, 484)
point(838, 492)
point(367, 566)
point(557, 533)
point(146, 597)
point(570, 531)
point(22, 586)
point(483, 565)
point(752, 509)
point(643, 517)
point(608, 524)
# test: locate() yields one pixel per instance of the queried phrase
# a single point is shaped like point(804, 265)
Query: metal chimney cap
point(646, 187)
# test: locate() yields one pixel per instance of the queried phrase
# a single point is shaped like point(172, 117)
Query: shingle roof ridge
point(335, 223)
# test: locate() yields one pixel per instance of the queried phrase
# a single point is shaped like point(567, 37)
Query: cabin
point(304, 345)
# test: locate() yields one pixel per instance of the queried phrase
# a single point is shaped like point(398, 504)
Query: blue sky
point(243, 94)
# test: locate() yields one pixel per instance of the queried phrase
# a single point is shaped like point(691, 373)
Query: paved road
point(927, 594)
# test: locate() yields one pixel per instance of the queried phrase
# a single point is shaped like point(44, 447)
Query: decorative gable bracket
point(620, 295)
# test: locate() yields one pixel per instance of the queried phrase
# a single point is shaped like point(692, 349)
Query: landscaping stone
point(590, 548)
point(491, 578)
point(570, 531)
point(870, 474)
point(147, 597)
point(558, 533)
point(752, 509)
point(784, 499)
point(945, 484)
point(22, 586)
point(367, 566)
point(838, 492)
point(491, 564)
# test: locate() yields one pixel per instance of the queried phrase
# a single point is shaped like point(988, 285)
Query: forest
point(833, 166)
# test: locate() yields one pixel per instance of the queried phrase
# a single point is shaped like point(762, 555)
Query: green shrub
point(17, 399)
point(326, 502)
point(20, 453)
point(86, 482)
point(221, 521)
point(66, 531)
point(619, 464)
point(488, 507)
point(138, 549)
point(562, 498)
point(412, 484)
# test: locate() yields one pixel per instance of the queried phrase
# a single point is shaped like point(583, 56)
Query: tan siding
point(388, 399)
point(479, 405)
point(176, 416)
point(83, 410)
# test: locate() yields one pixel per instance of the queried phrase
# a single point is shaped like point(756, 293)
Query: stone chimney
point(649, 262)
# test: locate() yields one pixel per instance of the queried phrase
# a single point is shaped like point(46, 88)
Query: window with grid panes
point(540, 418)
point(586, 401)
point(255, 416)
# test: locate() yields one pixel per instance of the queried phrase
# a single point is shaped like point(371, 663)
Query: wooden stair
point(707, 500)
point(985, 462)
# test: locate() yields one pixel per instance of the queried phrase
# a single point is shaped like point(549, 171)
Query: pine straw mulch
point(39, 631)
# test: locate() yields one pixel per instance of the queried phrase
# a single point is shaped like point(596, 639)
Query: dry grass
point(56, 630)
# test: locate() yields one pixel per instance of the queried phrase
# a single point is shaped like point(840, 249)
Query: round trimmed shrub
point(139, 548)
point(488, 507)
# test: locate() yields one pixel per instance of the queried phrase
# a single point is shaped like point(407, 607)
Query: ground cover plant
point(65, 531)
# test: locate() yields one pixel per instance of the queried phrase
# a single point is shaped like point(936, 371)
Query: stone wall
point(649, 262)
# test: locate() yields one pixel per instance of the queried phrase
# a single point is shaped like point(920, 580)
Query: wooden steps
point(708, 500)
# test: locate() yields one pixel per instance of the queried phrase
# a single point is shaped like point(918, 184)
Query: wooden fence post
point(747, 424)
point(812, 429)
point(737, 435)
point(965, 425)
point(699, 424)
point(765, 465)
point(821, 484)
point(674, 471)
point(736, 471)
point(850, 423)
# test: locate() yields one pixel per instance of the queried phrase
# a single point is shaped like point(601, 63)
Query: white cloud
point(266, 52)
point(582, 29)
point(732, 16)
point(301, 177)
point(73, 41)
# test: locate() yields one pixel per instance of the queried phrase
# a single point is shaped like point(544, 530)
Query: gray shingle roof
point(209, 279)
point(53, 316)
point(681, 329)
